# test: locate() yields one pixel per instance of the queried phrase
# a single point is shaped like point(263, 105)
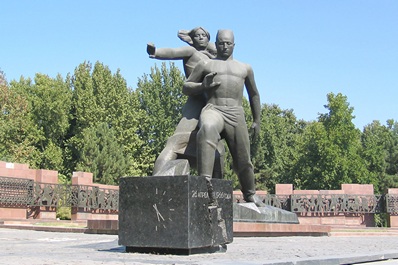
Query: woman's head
point(198, 37)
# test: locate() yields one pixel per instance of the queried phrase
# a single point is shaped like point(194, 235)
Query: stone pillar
point(46, 177)
point(284, 189)
point(15, 170)
point(104, 214)
point(81, 178)
point(393, 217)
point(366, 219)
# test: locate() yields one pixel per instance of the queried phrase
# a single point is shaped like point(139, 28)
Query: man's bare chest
point(227, 69)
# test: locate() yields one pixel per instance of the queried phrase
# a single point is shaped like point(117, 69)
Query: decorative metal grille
point(15, 192)
point(92, 197)
point(278, 201)
point(392, 204)
point(336, 203)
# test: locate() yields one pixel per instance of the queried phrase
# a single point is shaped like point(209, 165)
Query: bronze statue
point(183, 142)
point(222, 80)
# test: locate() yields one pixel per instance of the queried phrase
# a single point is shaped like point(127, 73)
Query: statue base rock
point(170, 214)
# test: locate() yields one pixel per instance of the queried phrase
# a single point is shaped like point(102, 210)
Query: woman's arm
point(169, 53)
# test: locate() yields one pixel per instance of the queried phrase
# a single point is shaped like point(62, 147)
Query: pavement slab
point(40, 247)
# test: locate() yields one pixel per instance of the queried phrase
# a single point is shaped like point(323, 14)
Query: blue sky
point(300, 50)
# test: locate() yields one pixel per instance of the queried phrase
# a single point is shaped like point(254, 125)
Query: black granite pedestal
point(170, 214)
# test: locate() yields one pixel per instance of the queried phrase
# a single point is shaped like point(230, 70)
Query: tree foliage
point(92, 121)
point(276, 150)
point(49, 101)
point(330, 150)
point(380, 151)
point(102, 155)
point(18, 133)
point(100, 97)
point(160, 97)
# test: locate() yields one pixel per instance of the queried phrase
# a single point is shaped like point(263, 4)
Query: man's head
point(225, 44)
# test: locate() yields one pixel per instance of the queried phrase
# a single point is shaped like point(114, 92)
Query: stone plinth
point(170, 214)
point(252, 229)
point(50, 177)
point(363, 189)
point(16, 170)
point(81, 178)
point(393, 217)
point(284, 189)
point(47, 176)
point(12, 213)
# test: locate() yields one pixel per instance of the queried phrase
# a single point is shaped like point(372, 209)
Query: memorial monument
point(172, 211)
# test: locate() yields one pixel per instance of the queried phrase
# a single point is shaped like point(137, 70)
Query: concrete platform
point(273, 230)
point(37, 247)
point(241, 229)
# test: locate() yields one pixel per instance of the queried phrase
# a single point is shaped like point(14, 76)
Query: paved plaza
point(37, 247)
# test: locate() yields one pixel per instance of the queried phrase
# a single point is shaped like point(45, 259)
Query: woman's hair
point(187, 36)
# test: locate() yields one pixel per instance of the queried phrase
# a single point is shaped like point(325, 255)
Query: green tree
point(51, 100)
point(18, 133)
point(102, 155)
point(83, 99)
point(379, 147)
point(49, 106)
point(102, 97)
point(160, 96)
point(276, 151)
point(392, 148)
point(331, 148)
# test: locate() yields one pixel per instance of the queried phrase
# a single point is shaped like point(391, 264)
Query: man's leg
point(208, 137)
point(210, 126)
point(239, 145)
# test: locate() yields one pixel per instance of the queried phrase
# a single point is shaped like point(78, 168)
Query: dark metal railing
point(392, 203)
point(333, 203)
point(15, 192)
point(337, 203)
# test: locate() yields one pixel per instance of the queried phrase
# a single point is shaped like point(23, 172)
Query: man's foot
point(212, 196)
point(257, 200)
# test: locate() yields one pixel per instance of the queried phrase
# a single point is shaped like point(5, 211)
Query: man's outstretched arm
point(169, 53)
point(254, 99)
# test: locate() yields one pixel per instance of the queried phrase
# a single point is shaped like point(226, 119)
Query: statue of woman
point(179, 144)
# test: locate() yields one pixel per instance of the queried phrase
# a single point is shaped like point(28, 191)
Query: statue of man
point(222, 81)
point(199, 49)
